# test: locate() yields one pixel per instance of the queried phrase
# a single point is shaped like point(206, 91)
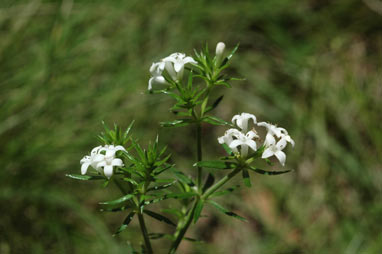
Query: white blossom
point(174, 64)
point(245, 141)
point(156, 70)
point(102, 159)
point(228, 138)
point(273, 147)
point(235, 138)
point(242, 120)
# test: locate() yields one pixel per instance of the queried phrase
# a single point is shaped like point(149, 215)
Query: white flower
point(91, 160)
point(242, 121)
point(219, 52)
point(228, 138)
point(174, 64)
point(271, 146)
point(156, 70)
point(102, 159)
point(234, 138)
point(244, 141)
point(276, 150)
point(273, 131)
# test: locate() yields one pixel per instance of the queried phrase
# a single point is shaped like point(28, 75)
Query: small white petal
point(269, 140)
point(281, 157)
point(84, 168)
point(252, 144)
point(117, 162)
point(267, 153)
point(178, 66)
point(235, 143)
point(108, 171)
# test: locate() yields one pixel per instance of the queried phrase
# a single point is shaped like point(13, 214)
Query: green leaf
point(183, 178)
point(159, 217)
point(118, 201)
point(225, 211)
point(215, 121)
point(177, 123)
point(198, 210)
point(247, 180)
point(173, 211)
point(210, 180)
point(182, 195)
point(125, 223)
point(224, 192)
point(215, 104)
point(226, 59)
point(85, 177)
point(160, 187)
point(263, 172)
point(216, 164)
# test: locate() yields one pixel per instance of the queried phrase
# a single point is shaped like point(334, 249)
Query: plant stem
point(180, 234)
point(144, 233)
point(199, 152)
point(221, 182)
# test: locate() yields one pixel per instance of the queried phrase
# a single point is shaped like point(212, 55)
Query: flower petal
point(267, 153)
point(108, 171)
point(235, 143)
point(117, 162)
point(281, 157)
point(252, 144)
point(84, 168)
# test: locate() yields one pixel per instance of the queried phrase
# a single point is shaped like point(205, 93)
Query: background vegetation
point(312, 66)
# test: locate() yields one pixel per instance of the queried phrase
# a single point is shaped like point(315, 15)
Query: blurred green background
point(313, 67)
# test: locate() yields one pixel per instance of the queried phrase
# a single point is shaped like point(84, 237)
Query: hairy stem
point(144, 233)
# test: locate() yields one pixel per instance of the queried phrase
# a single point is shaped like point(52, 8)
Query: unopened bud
point(220, 49)
point(219, 52)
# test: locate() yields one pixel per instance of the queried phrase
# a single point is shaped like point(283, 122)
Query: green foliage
point(65, 68)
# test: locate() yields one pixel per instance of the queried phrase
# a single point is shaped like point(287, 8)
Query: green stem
point(180, 234)
point(221, 182)
point(199, 152)
point(144, 233)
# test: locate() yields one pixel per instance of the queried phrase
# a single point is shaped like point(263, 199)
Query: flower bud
point(219, 52)
point(220, 48)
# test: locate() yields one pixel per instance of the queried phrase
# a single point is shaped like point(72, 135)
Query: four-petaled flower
point(244, 141)
point(242, 120)
point(102, 159)
point(273, 147)
point(175, 63)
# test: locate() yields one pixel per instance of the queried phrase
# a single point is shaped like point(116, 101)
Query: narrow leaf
point(247, 180)
point(85, 177)
point(225, 211)
point(160, 187)
point(198, 210)
point(183, 178)
point(176, 123)
point(263, 172)
point(226, 191)
point(215, 121)
point(118, 201)
point(125, 223)
point(216, 164)
point(210, 180)
point(215, 104)
point(159, 217)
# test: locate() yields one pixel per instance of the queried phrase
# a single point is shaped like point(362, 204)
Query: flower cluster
point(102, 159)
point(173, 64)
point(275, 141)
